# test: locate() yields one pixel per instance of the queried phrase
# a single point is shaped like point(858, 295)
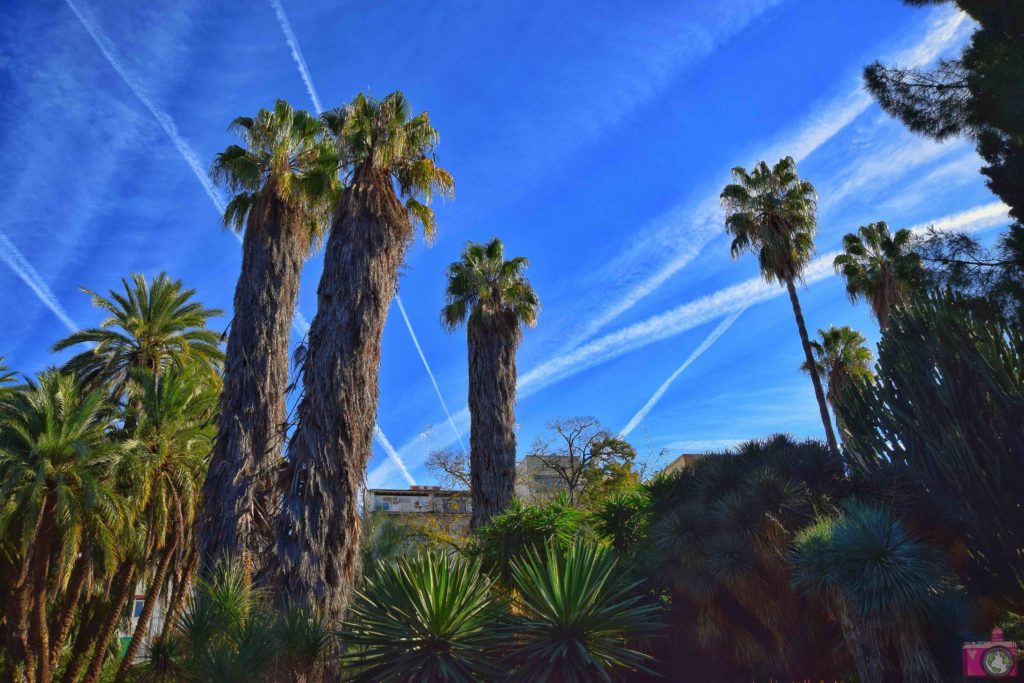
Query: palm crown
point(151, 325)
point(483, 284)
point(842, 359)
point(771, 211)
point(879, 266)
point(286, 154)
point(380, 141)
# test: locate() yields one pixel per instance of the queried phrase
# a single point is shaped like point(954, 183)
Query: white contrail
point(433, 380)
point(300, 61)
point(110, 52)
point(704, 346)
point(728, 300)
point(393, 454)
point(704, 221)
point(23, 269)
point(106, 46)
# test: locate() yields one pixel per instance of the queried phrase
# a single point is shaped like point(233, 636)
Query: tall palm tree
point(388, 154)
point(174, 432)
point(284, 181)
point(842, 360)
point(56, 462)
point(771, 212)
point(151, 325)
point(496, 299)
point(880, 267)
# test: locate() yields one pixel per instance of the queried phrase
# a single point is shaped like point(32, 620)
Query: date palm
point(842, 361)
point(771, 212)
point(494, 299)
point(284, 181)
point(388, 156)
point(880, 267)
point(174, 431)
point(56, 464)
point(151, 325)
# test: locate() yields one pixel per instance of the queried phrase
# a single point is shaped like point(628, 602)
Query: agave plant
point(575, 620)
point(429, 617)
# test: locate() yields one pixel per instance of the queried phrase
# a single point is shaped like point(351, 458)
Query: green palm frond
point(379, 141)
point(879, 267)
point(772, 212)
point(842, 360)
point(152, 325)
point(285, 154)
point(429, 617)
point(483, 286)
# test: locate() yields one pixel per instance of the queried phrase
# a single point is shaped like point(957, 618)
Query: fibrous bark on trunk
point(492, 342)
point(318, 529)
point(826, 421)
point(252, 408)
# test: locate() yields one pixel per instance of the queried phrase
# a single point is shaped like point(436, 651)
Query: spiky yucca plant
point(426, 618)
point(576, 620)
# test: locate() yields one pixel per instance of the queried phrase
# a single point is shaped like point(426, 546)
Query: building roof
point(682, 461)
point(419, 491)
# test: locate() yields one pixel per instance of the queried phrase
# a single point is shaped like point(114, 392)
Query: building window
point(385, 506)
point(137, 608)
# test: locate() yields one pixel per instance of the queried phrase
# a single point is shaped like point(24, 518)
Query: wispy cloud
point(693, 224)
point(23, 269)
point(641, 414)
point(433, 380)
point(110, 52)
point(396, 459)
point(166, 122)
point(729, 301)
point(300, 61)
point(723, 302)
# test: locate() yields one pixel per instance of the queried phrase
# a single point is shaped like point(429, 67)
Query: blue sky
point(592, 137)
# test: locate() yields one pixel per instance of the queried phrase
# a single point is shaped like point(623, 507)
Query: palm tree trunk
point(39, 629)
point(18, 648)
point(319, 526)
point(101, 641)
point(72, 596)
point(492, 398)
point(152, 594)
point(252, 409)
point(181, 588)
point(826, 421)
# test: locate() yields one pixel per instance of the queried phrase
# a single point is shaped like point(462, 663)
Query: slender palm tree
point(496, 299)
point(151, 325)
point(388, 154)
point(841, 359)
point(56, 462)
point(174, 432)
point(771, 212)
point(880, 267)
point(284, 181)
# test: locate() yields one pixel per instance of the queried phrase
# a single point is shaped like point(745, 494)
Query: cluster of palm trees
point(364, 175)
point(102, 464)
point(772, 212)
point(152, 454)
